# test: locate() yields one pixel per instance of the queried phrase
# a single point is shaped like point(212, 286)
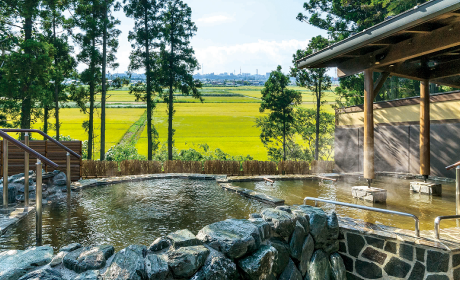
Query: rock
point(437, 261)
point(57, 260)
point(437, 277)
point(307, 251)
point(183, 238)
point(234, 238)
point(349, 262)
point(217, 267)
point(332, 226)
point(390, 247)
point(291, 272)
point(331, 247)
point(318, 224)
point(14, 264)
point(60, 179)
point(297, 240)
point(156, 268)
point(260, 264)
point(319, 268)
point(284, 208)
point(128, 264)
point(420, 255)
point(338, 271)
point(406, 251)
point(12, 193)
point(418, 271)
point(282, 260)
point(159, 244)
point(374, 255)
point(43, 274)
point(265, 230)
point(185, 261)
point(304, 219)
point(397, 268)
point(355, 244)
point(70, 247)
point(368, 270)
point(88, 258)
point(255, 216)
point(375, 242)
point(283, 222)
point(89, 275)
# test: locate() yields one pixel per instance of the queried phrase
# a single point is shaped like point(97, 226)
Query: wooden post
point(425, 128)
point(368, 125)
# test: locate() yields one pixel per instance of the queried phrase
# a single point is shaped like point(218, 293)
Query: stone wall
point(375, 256)
point(287, 243)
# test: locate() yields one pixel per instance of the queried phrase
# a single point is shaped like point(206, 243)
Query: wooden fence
point(92, 169)
point(47, 149)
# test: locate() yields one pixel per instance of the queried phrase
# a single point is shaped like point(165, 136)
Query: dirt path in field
point(134, 132)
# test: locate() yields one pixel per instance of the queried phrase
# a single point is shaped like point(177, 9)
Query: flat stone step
point(371, 194)
point(426, 188)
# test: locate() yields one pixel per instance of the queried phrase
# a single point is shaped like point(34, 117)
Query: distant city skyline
point(251, 34)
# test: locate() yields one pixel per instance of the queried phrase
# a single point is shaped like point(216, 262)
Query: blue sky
point(251, 34)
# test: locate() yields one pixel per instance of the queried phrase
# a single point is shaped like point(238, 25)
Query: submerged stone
point(291, 272)
point(260, 264)
point(283, 222)
point(234, 238)
point(43, 274)
point(128, 264)
point(338, 271)
point(156, 268)
point(88, 258)
point(14, 264)
point(185, 261)
point(183, 238)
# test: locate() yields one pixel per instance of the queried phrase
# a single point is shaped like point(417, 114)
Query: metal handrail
point(380, 210)
point(44, 135)
point(27, 149)
point(453, 166)
point(438, 220)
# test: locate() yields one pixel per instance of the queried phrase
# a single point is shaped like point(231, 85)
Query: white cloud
point(214, 19)
point(262, 55)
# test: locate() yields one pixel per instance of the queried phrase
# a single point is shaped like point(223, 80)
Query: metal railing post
point(68, 173)
point(437, 223)
point(5, 173)
point(26, 172)
point(38, 202)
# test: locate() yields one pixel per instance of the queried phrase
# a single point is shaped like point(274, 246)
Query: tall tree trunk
point(149, 94)
point(103, 98)
point(45, 120)
point(92, 86)
point(284, 138)
point(26, 106)
point(56, 79)
point(318, 109)
point(171, 101)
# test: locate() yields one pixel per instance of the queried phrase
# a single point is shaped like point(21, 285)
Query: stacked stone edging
point(287, 243)
point(373, 256)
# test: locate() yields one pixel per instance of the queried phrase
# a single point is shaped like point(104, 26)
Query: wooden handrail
point(22, 146)
point(44, 135)
point(453, 166)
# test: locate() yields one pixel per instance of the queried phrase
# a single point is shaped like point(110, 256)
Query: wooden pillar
point(368, 125)
point(425, 128)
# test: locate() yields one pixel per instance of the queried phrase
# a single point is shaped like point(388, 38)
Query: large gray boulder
point(303, 218)
point(128, 264)
point(260, 264)
point(88, 258)
point(297, 240)
point(57, 260)
point(338, 271)
point(43, 274)
point(282, 221)
point(234, 238)
point(217, 267)
point(159, 244)
point(60, 179)
point(291, 272)
point(282, 260)
point(14, 264)
point(156, 268)
point(70, 247)
point(265, 230)
point(308, 248)
point(183, 238)
point(185, 261)
point(12, 193)
point(89, 275)
point(318, 224)
point(319, 268)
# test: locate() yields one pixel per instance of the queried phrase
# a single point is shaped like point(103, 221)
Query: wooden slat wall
point(47, 149)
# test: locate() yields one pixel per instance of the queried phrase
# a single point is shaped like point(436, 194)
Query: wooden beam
point(439, 39)
point(425, 128)
point(444, 70)
point(379, 84)
point(450, 81)
point(368, 125)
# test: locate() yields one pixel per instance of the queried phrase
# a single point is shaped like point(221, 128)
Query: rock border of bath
point(285, 243)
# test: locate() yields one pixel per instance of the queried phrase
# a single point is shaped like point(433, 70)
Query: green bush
point(120, 153)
